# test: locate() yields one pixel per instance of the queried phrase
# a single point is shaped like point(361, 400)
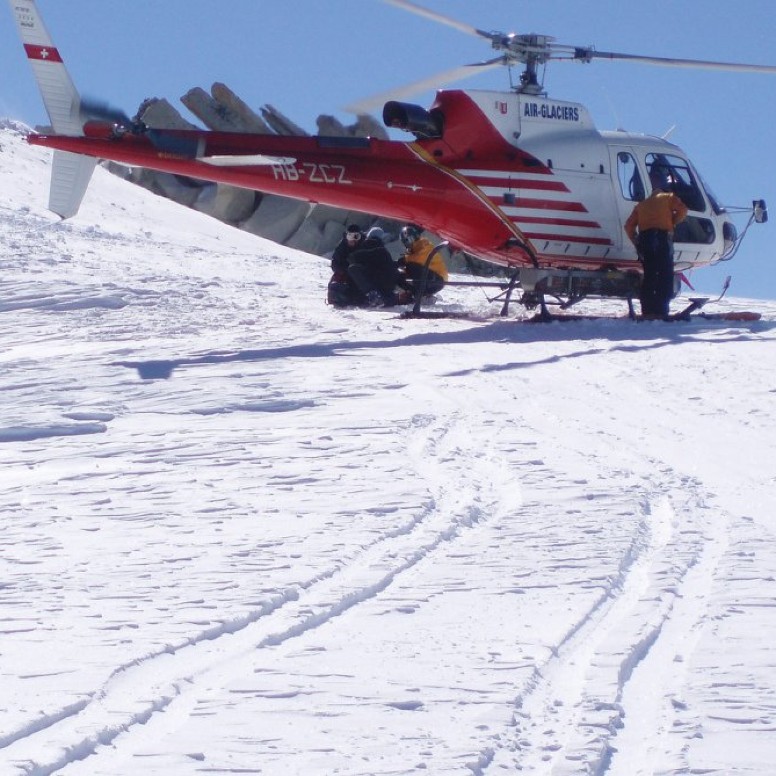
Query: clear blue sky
point(308, 57)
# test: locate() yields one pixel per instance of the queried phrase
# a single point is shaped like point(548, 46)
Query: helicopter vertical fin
point(70, 173)
point(70, 176)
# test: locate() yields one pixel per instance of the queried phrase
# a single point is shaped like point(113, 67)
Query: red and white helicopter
point(515, 178)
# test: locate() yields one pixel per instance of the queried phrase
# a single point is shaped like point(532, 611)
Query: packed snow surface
point(244, 532)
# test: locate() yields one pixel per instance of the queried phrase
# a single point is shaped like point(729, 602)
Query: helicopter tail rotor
point(98, 110)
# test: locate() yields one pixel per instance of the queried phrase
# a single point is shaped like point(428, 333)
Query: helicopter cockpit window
point(631, 185)
point(715, 203)
point(679, 179)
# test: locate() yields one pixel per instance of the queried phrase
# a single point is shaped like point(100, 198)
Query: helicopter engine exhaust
point(413, 118)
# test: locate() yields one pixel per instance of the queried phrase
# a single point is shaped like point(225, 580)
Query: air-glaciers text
point(545, 110)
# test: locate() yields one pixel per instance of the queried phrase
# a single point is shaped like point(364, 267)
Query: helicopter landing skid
point(697, 303)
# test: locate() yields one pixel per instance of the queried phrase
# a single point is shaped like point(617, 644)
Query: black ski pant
point(374, 276)
point(656, 249)
point(414, 272)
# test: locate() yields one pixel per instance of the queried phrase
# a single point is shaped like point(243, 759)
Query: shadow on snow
point(634, 337)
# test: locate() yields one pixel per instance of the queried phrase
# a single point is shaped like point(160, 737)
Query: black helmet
point(410, 233)
point(660, 177)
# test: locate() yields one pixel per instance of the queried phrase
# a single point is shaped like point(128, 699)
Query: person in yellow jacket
point(413, 262)
point(650, 228)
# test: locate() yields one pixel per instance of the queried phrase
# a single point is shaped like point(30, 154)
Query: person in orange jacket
point(413, 262)
point(650, 228)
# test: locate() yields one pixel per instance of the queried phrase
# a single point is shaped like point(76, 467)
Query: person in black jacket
point(350, 242)
point(342, 291)
point(373, 271)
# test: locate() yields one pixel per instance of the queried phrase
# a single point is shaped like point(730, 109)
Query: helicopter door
point(628, 184)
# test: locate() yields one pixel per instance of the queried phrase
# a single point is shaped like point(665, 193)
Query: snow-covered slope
point(342, 542)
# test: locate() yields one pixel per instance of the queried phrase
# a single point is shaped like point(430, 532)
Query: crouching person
point(373, 271)
point(342, 291)
point(412, 263)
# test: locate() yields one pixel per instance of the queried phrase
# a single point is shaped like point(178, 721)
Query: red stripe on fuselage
point(42, 53)
point(568, 238)
point(549, 204)
point(509, 184)
point(556, 222)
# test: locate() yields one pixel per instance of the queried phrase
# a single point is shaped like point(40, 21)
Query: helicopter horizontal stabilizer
point(245, 160)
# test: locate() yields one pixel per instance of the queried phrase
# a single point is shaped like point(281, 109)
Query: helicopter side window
point(631, 185)
point(680, 178)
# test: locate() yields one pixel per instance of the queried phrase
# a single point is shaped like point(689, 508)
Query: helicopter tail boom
point(392, 179)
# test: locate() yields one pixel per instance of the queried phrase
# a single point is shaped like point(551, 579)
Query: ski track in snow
point(533, 576)
point(570, 720)
point(138, 690)
point(610, 701)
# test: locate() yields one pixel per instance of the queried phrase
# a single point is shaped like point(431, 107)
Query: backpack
point(339, 292)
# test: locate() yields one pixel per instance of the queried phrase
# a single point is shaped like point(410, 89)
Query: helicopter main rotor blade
point(438, 17)
point(533, 50)
point(588, 54)
point(369, 104)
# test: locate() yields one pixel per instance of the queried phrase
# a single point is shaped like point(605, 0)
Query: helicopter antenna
point(668, 132)
point(617, 123)
point(511, 78)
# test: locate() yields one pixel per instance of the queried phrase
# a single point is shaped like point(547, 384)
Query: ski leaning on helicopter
point(514, 178)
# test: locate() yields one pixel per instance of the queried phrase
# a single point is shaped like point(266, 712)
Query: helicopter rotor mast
point(530, 50)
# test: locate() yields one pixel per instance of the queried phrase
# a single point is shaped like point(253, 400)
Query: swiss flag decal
point(42, 53)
